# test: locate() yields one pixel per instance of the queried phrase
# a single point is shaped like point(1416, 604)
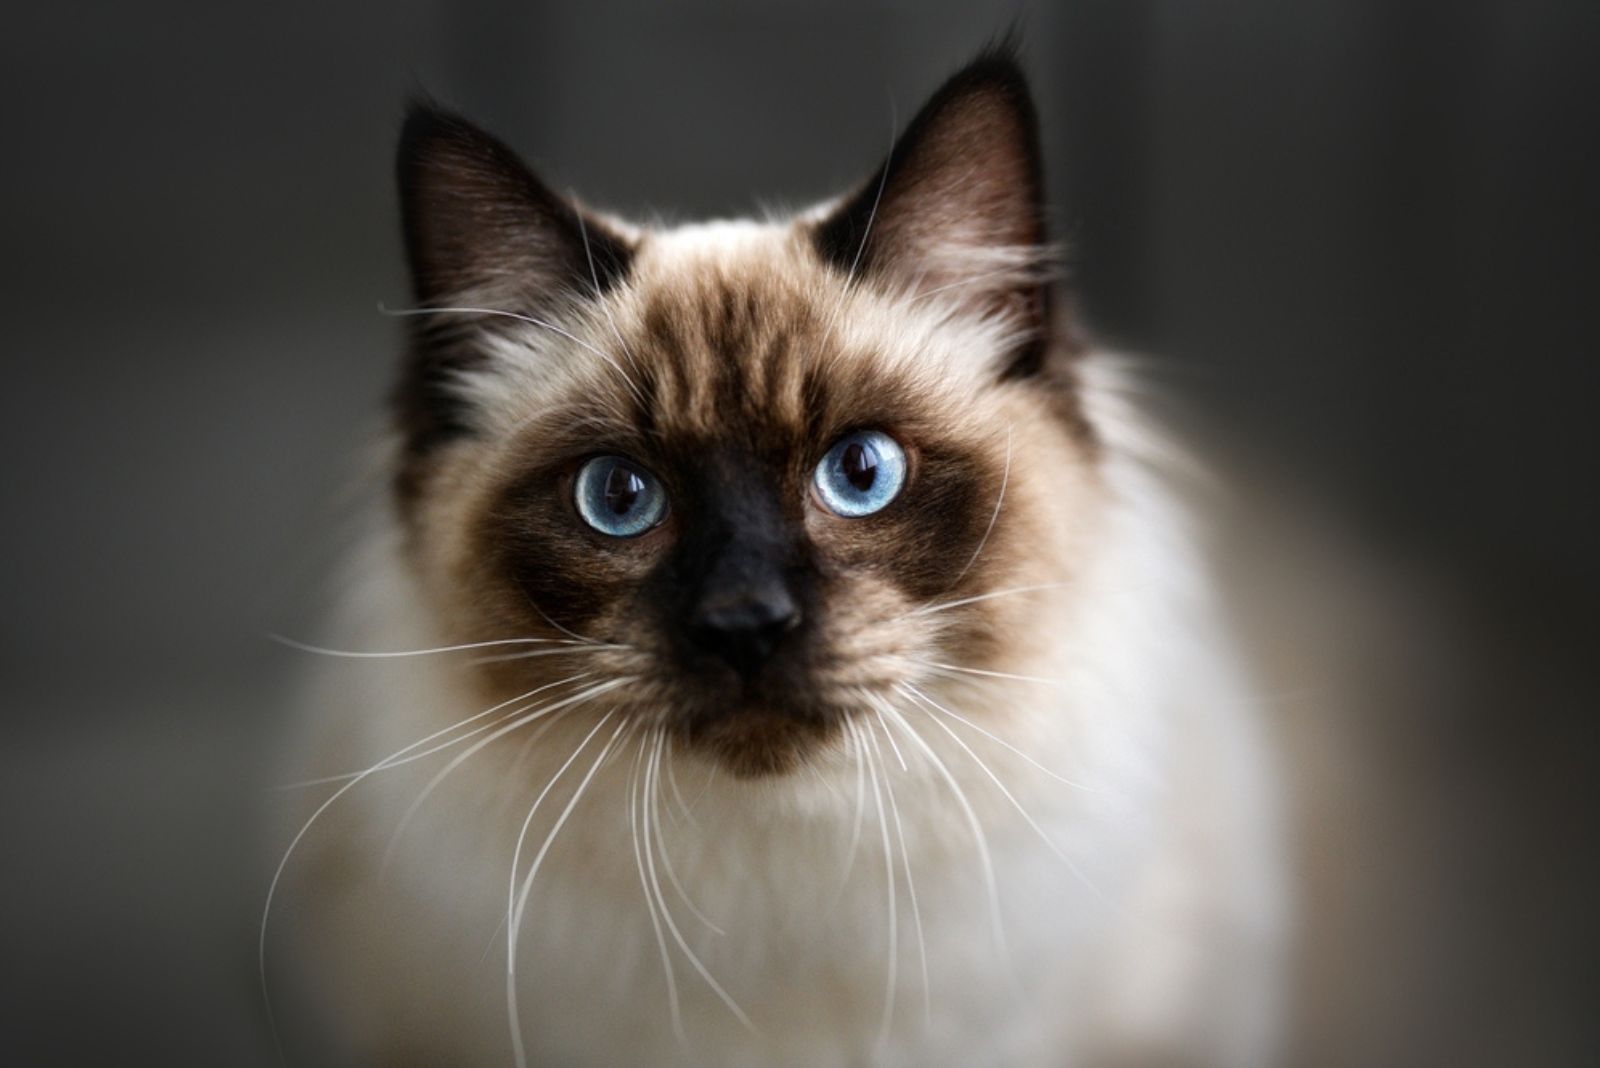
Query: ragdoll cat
point(789, 654)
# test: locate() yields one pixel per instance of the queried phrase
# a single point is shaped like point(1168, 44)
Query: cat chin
point(761, 740)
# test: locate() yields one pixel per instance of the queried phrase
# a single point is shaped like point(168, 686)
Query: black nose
point(742, 626)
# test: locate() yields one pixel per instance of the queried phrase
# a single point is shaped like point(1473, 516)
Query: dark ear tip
point(998, 68)
point(435, 139)
point(426, 122)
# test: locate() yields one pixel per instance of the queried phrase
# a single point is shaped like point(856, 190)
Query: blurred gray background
point(1362, 234)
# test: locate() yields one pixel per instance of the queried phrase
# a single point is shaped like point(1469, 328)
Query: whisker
point(892, 966)
point(919, 694)
point(649, 899)
point(677, 794)
point(326, 779)
point(976, 598)
point(677, 935)
point(574, 649)
point(523, 718)
point(574, 635)
point(1023, 812)
point(533, 737)
point(866, 232)
point(1000, 499)
point(877, 197)
point(892, 745)
point(705, 787)
point(857, 752)
point(288, 853)
point(976, 826)
point(514, 926)
point(528, 745)
point(527, 821)
point(655, 821)
point(911, 883)
point(594, 278)
point(355, 654)
point(935, 665)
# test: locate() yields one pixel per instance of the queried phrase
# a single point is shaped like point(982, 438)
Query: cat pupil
point(622, 490)
point(860, 466)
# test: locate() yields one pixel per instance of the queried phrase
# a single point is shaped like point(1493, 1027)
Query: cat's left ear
point(959, 206)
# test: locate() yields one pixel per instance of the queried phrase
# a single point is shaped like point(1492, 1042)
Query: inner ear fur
point(958, 205)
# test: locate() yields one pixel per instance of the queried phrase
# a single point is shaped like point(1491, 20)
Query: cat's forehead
point(741, 325)
point(727, 324)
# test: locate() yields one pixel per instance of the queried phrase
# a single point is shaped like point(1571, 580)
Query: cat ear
point(480, 232)
point(958, 205)
point(477, 221)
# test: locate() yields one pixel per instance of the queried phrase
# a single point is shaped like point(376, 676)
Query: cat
point(785, 647)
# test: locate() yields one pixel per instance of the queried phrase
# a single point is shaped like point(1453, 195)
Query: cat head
point(764, 477)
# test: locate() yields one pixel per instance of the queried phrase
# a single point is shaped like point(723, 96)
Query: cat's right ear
point(478, 223)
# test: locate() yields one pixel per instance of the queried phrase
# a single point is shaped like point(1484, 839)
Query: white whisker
point(892, 965)
point(976, 826)
point(858, 753)
point(677, 935)
point(528, 745)
point(677, 794)
point(975, 599)
point(922, 696)
point(574, 635)
point(523, 718)
point(305, 828)
point(527, 821)
point(866, 233)
point(574, 649)
point(655, 822)
point(1000, 499)
point(911, 884)
point(934, 665)
point(893, 745)
point(326, 779)
point(594, 278)
point(649, 899)
point(1023, 812)
point(515, 912)
point(877, 197)
point(533, 737)
point(354, 654)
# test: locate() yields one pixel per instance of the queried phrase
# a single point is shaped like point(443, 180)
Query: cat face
point(766, 474)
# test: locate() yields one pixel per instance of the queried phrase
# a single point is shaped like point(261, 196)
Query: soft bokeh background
point(1362, 234)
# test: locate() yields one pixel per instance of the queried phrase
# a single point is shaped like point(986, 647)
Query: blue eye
point(861, 474)
point(617, 498)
